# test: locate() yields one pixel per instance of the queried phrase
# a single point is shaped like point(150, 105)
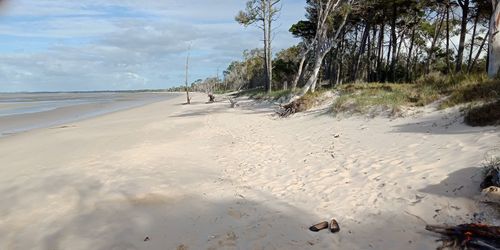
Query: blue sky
point(69, 45)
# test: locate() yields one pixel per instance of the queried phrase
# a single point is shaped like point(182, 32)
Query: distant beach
point(25, 111)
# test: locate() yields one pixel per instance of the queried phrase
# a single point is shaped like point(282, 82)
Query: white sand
point(208, 177)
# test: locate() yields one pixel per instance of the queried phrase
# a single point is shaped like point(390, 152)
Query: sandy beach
point(205, 176)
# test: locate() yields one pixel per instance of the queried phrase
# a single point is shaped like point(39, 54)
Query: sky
point(85, 45)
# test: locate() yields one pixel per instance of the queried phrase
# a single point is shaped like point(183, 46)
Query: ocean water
point(25, 111)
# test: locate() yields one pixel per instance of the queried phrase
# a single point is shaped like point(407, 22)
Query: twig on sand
point(418, 217)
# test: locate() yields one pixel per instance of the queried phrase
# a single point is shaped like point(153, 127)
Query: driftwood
point(211, 98)
point(468, 236)
point(233, 103)
point(296, 106)
point(491, 195)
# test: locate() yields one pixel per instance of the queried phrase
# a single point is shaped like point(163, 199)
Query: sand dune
point(206, 176)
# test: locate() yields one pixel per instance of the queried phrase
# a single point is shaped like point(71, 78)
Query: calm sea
point(25, 111)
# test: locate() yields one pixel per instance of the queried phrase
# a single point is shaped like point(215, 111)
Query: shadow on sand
point(220, 107)
point(81, 212)
point(462, 183)
point(88, 216)
point(438, 123)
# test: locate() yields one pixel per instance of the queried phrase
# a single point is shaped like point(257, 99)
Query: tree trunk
point(389, 50)
point(401, 41)
point(340, 62)
point(332, 67)
point(300, 70)
point(433, 45)
point(361, 51)
point(494, 50)
point(463, 32)
point(371, 47)
point(353, 52)
point(394, 42)
point(269, 48)
point(380, 51)
point(408, 59)
point(448, 63)
point(311, 82)
point(266, 72)
point(479, 51)
point(188, 99)
point(473, 40)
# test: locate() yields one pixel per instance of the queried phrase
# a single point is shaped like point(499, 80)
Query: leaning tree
point(324, 39)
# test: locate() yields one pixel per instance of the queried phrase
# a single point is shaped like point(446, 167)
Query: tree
point(323, 40)
point(262, 13)
point(494, 51)
point(464, 5)
point(246, 74)
point(187, 70)
point(286, 64)
point(307, 31)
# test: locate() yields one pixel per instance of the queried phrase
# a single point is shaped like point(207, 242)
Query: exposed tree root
point(298, 105)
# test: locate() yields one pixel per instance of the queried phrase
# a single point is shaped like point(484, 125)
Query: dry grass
point(485, 115)
point(460, 89)
point(361, 98)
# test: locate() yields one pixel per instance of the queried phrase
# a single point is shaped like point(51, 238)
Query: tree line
point(345, 41)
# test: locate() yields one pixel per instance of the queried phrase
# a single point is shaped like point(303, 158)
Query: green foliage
point(250, 15)
point(304, 29)
point(245, 74)
point(285, 66)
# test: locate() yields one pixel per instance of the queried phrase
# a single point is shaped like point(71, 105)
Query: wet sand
point(23, 112)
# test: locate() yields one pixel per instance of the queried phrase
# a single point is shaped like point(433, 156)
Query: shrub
point(485, 115)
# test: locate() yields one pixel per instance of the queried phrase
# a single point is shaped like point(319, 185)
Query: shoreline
point(207, 176)
point(70, 112)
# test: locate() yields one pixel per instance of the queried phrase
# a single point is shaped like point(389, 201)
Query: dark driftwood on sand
point(468, 236)
point(211, 98)
point(294, 107)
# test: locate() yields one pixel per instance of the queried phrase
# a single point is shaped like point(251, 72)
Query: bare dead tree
point(187, 70)
point(262, 13)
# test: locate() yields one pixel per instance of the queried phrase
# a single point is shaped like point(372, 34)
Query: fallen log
point(468, 236)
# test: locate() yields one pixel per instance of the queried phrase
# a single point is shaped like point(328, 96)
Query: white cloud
point(112, 44)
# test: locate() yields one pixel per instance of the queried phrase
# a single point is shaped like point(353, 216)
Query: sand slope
point(208, 177)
